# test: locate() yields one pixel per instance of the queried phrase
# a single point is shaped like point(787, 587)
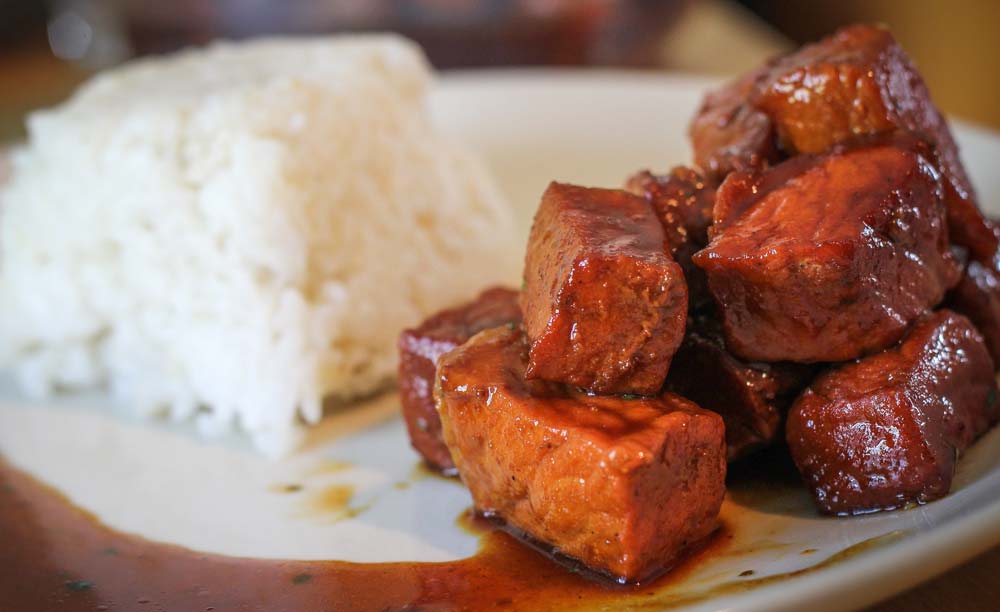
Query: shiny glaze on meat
point(419, 349)
point(683, 200)
point(623, 485)
point(834, 263)
point(886, 430)
point(604, 305)
point(729, 134)
point(854, 84)
point(977, 296)
point(752, 398)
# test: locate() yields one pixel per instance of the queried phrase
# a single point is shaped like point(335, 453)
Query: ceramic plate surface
point(160, 481)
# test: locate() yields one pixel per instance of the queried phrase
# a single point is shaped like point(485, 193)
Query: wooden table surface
point(972, 587)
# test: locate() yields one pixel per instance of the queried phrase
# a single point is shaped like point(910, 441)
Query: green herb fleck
point(524, 283)
point(991, 399)
point(301, 578)
point(512, 326)
point(79, 585)
point(111, 551)
point(746, 573)
point(631, 396)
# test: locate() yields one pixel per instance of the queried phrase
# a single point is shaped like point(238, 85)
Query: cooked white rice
point(237, 232)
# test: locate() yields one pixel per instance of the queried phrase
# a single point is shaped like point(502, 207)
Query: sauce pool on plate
point(58, 557)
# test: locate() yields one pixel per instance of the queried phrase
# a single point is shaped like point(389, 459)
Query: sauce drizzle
point(57, 557)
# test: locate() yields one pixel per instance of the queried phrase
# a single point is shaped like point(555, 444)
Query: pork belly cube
point(604, 304)
point(728, 133)
point(977, 296)
point(752, 398)
point(886, 430)
point(419, 350)
point(858, 82)
point(623, 485)
point(854, 84)
point(834, 261)
point(683, 201)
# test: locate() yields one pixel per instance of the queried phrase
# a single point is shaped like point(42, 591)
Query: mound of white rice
point(240, 231)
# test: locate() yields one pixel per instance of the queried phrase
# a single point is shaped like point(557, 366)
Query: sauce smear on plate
point(57, 557)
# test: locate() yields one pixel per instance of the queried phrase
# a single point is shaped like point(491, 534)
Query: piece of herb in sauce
point(301, 578)
point(79, 585)
point(630, 396)
point(991, 398)
point(111, 551)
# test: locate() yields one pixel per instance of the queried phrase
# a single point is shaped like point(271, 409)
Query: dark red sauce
point(56, 557)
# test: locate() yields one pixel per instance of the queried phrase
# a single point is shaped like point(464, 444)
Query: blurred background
point(47, 47)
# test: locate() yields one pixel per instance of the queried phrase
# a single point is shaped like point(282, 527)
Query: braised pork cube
point(419, 350)
point(683, 201)
point(623, 485)
point(752, 398)
point(856, 83)
point(834, 263)
point(604, 304)
point(977, 296)
point(728, 133)
point(885, 431)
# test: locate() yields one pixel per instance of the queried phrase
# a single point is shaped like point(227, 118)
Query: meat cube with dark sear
point(977, 296)
point(728, 133)
point(419, 350)
point(834, 263)
point(856, 83)
point(752, 398)
point(683, 201)
point(604, 304)
point(623, 485)
point(886, 430)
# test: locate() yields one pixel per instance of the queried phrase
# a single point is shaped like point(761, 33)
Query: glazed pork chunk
point(625, 486)
point(604, 304)
point(886, 430)
point(683, 201)
point(752, 398)
point(419, 350)
point(827, 258)
point(729, 133)
point(856, 83)
point(977, 296)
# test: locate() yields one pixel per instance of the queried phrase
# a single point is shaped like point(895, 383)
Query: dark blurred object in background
point(47, 47)
point(454, 33)
point(16, 16)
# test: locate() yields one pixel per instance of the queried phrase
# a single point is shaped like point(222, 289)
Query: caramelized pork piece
point(834, 262)
point(854, 84)
point(683, 201)
point(623, 485)
point(752, 398)
point(885, 431)
point(728, 133)
point(604, 304)
point(419, 350)
point(977, 296)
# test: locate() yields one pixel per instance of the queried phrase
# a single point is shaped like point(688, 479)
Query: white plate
point(161, 482)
